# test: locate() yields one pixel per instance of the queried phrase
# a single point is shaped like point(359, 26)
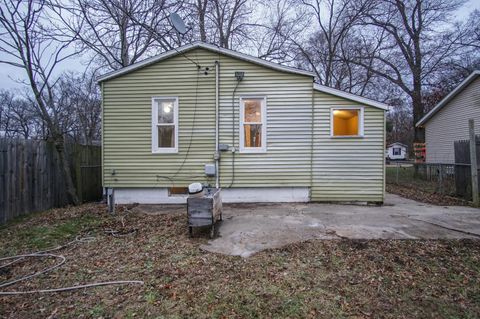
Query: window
point(253, 127)
point(164, 125)
point(346, 122)
point(397, 151)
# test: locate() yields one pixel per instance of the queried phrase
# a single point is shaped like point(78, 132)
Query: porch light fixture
point(167, 108)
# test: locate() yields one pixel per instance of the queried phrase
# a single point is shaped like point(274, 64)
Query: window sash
point(262, 123)
point(360, 110)
point(156, 104)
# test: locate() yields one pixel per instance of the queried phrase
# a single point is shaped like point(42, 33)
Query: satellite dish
point(177, 23)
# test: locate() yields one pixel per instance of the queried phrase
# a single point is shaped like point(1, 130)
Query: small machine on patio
point(204, 207)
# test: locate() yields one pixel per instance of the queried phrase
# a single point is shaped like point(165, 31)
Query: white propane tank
point(195, 189)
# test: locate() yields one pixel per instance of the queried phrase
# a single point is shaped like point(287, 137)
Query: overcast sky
point(10, 76)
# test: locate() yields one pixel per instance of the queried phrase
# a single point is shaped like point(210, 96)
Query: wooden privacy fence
point(463, 177)
point(31, 179)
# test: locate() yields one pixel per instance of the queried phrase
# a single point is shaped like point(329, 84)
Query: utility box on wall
point(210, 169)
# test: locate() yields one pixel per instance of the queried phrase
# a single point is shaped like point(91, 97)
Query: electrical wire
point(186, 57)
point(193, 129)
point(193, 125)
point(199, 68)
point(233, 133)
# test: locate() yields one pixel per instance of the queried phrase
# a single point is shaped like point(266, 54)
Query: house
point(261, 131)
point(397, 151)
point(447, 122)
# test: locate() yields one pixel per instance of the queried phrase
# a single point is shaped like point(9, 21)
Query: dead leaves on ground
point(339, 278)
point(425, 197)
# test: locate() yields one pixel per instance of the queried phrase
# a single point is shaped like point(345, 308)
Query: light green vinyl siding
point(288, 97)
point(335, 169)
point(347, 169)
point(129, 162)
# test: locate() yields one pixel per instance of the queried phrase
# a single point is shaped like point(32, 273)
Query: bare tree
point(117, 32)
point(282, 22)
point(320, 35)
point(225, 23)
point(454, 72)
point(18, 116)
point(201, 7)
point(399, 123)
point(230, 19)
point(472, 26)
point(27, 44)
point(81, 103)
point(413, 42)
point(325, 46)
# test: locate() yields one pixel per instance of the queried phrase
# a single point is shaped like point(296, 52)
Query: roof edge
point(448, 98)
point(202, 45)
point(397, 143)
point(351, 96)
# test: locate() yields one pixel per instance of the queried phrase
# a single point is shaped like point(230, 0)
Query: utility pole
point(473, 163)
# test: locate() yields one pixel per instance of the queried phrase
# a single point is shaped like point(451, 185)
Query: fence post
point(398, 165)
point(440, 179)
point(473, 163)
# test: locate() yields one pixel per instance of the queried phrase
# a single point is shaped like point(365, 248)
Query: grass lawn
point(326, 279)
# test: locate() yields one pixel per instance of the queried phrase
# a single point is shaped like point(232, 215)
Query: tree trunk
point(202, 8)
point(71, 192)
point(417, 105)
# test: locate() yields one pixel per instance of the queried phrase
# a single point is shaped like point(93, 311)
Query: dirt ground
point(311, 279)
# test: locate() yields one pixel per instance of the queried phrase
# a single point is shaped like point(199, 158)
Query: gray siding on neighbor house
point(451, 124)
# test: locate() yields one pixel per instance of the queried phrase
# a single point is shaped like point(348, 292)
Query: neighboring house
point(447, 122)
point(397, 151)
point(280, 136)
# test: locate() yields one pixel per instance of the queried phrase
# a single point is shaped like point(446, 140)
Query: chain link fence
point(431, 178)
point(445, 179)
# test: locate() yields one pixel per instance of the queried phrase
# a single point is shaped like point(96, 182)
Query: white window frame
point(360, 121)
point(262, 149)
point(155, 124)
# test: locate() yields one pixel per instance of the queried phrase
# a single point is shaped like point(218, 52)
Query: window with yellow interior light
point(346, 122)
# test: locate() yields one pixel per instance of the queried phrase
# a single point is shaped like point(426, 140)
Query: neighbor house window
point(164, 125)
point(253, 125)
point(346, 122)
point(397, 151)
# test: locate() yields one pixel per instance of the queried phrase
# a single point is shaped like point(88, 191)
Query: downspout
point(216, 156)
point(312, 139)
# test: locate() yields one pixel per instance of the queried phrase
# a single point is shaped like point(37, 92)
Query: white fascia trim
point(350, 96)
point(447, 99)
point(206, 46)
point(397, 143)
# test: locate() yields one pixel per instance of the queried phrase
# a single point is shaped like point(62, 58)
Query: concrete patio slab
point(249, 228)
